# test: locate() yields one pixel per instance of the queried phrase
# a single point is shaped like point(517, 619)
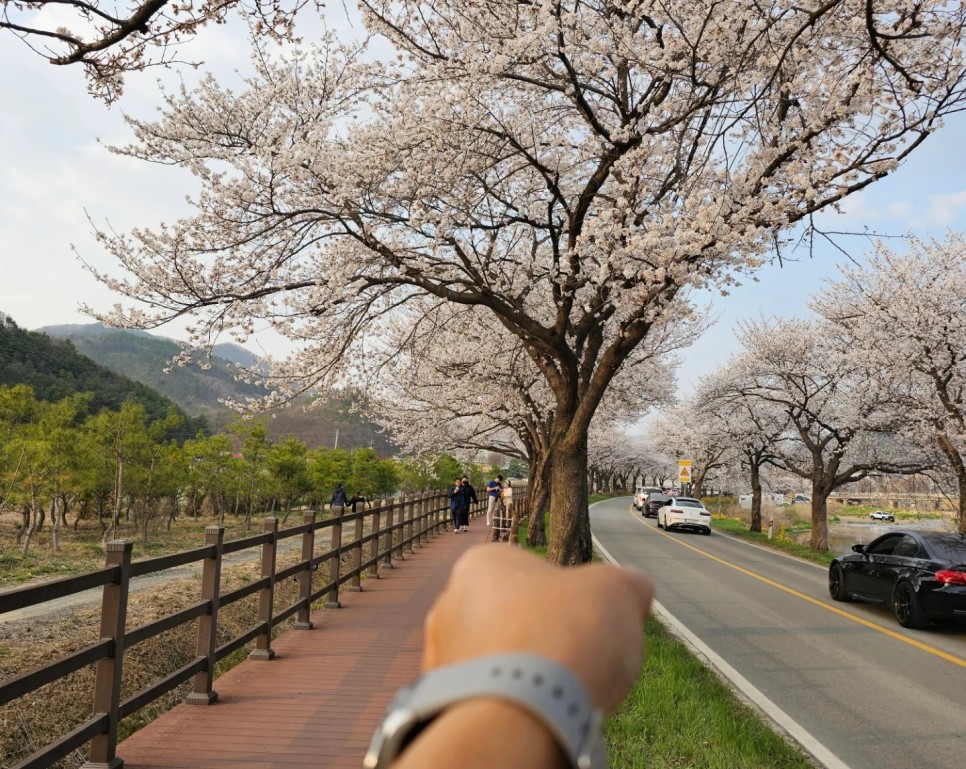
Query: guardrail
point(360, 543)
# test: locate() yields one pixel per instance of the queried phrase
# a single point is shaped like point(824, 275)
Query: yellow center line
point(791, 591)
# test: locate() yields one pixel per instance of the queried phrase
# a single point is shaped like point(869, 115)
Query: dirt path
point(90, 598)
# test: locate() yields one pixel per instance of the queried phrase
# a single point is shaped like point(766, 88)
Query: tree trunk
point(55, 526)
point(699, 470)
point(959, 468)
point(24, 523)
point(118, 499)
point(146, 514)
point(569, 541)
point(819, 539)
point(33, 518)
point(755, 497)
point(961, 479)
point(538, 498)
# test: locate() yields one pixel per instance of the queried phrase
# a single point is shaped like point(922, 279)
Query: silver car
point(684, 513)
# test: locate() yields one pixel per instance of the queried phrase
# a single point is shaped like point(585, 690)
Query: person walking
point(357, 499)
point(454, 504)
point(466, 496)
point(506, 503)
point(339, 497)
point(493, 490)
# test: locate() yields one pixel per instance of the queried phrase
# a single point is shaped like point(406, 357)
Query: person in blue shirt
point(493, 490)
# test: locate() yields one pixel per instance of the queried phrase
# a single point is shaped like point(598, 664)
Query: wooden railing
point(360, 543)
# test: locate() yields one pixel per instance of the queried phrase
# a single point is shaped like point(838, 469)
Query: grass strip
point(680, 714)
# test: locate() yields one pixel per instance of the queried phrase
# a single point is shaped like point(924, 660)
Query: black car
point(921, 575)
point(654, 501)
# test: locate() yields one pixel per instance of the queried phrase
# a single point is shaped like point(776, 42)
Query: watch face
point(398, 727)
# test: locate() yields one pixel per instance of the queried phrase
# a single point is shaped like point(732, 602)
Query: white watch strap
point(543, 687)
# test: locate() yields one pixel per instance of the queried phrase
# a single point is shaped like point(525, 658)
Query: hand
point(589, 618)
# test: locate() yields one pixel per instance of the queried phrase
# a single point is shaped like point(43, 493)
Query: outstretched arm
point(589, 619)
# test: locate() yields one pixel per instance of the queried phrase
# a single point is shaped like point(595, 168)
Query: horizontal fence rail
point(360, 544)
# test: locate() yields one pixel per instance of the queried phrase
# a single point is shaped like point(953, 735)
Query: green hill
point(144, 358)
point(198, 390)
point(55, 369)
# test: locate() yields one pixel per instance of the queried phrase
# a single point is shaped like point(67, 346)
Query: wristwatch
point(545, 688)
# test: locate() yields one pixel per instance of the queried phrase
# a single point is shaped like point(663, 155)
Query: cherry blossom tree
point(613, 457)
point(686, 431)
point(572, 167)
point(844, 416)
point(752, 426)
point(451, 376)
point(110, 39)
point(906, 313)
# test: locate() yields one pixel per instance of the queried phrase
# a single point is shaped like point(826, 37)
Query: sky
point(57, 177)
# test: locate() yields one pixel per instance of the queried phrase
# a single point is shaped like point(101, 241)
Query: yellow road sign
point(684, 471)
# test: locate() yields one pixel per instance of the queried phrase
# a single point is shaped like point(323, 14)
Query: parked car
point(684, 513)
point(641, 495)
point(882, 515)
point(655, 500)
point(800, 498)
point(920, 575)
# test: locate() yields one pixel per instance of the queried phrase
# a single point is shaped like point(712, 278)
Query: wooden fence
point(360, 543)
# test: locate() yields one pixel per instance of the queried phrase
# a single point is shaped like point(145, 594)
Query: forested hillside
point(144, 357)
point(55, 369)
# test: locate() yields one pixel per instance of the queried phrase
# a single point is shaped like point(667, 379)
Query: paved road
point(858, 690)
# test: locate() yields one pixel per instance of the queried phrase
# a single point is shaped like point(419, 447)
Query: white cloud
point(947, 209)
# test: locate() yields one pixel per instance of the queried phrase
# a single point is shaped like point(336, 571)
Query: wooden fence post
point(335, 560)
point(400, 533)
point(107, 676)
point(514, 537)
point(425, 521)
point(387, 552)
point(266, 595)
point(303, 621)
point(442, 513)
point(374, 547)
point(355, 582)
point(408, 528)
point(208, 623)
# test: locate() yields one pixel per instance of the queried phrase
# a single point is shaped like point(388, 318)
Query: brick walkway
point(317, 703)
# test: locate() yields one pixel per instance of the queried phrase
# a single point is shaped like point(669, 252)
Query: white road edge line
point(750, 693)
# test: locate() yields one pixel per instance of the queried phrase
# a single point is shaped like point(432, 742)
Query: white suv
point(882, 515)
point(640, 496)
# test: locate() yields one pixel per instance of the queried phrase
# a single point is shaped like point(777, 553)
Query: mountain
point(55, 369)
point(144, 357)
point(198, 390)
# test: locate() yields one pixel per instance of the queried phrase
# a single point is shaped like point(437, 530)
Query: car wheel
point(836, 583)
point(906, 606)
point(706, 532)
